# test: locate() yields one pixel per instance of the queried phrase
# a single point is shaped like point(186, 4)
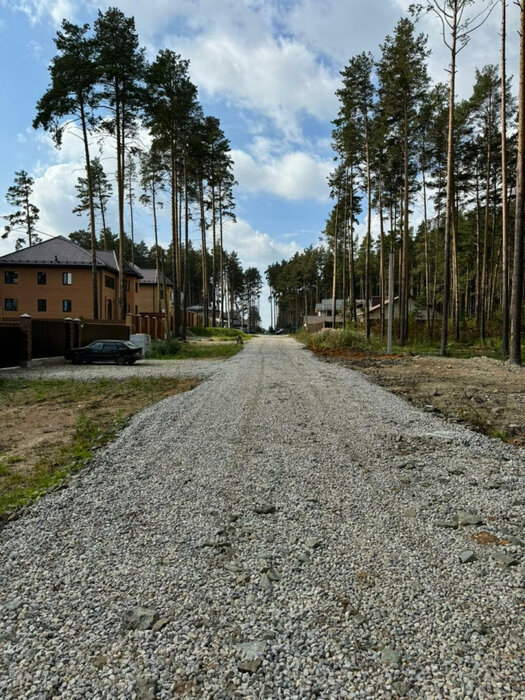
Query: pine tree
point(516, 304)
point(102, 193)
point(121, 64)
point(23, 220)
point(457, 28)
point(170, 109)
point(403, 82)
point(152, 172)
point(356, 115)
point(74, 76)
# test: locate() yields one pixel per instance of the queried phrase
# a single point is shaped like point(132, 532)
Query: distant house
point(323, 315)
point(375, 310)
point(148, 294)
point(53, 279)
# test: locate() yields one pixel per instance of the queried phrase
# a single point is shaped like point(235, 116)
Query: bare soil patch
point(52, 426)
point(487, 394)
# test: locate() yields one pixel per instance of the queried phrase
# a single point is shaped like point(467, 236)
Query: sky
point(268, 69)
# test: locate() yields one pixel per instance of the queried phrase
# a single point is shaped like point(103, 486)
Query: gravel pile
point(60, 369)
point(284, 530)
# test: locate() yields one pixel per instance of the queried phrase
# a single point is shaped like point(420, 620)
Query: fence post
point(26, 340)
point(68, 333)
point(77, 332)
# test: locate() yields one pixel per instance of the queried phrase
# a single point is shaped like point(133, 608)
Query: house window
point(162, 294)
point(127, 285)
point(109, 282)
point(66, 305)
point(67, 278)
point(136, 310)
point(127, 308)
point(10, 277)
point(41, 278)
point(136, 287)
point(10, 304)
point(41, 305)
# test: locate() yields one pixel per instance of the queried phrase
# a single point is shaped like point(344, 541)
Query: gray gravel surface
point(284, 530)
point(59, 369)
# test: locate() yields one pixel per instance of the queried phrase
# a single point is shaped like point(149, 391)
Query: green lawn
point(356, 339)
point(223, 333)
point(176, 350)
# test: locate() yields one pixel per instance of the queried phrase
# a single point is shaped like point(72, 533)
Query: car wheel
point(120, 360)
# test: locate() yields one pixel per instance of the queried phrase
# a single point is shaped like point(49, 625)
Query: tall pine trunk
point(205, 294)
point(185, 286)
point(119, 107)
point(221, 257)
point(449, 215)
point(92, 231)
point(484, 260)
point(504, 231)
point(214, 243)
point(517, 277)
point(334, 273)
point(351, 268)
point(403, 297)
point(157, 257)
point(174, 242)
point(368, 231)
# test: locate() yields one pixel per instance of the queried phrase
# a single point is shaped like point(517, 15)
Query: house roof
point(326, 305)
point(385, 303)
point(57, 252)
point(149, 276)
point(110, 261)
point(62, 252)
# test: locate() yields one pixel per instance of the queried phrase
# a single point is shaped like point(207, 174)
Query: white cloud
point(274, 77)
point(292, 176)
point(341, 29)
point(239, 51)
point(38, 10)
point(256, 249)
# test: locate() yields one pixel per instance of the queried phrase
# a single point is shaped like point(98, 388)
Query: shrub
point(164, 348)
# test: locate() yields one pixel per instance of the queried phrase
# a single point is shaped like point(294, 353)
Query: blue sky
point(267, 68)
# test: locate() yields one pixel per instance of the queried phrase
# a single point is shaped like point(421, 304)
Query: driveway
point(60, 369)
point(284, 530)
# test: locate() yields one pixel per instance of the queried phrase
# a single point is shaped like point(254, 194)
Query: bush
point(165, 348)
point(330, 338)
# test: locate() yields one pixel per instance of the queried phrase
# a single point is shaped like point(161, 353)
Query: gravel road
point(60, 369)
point(285, 530)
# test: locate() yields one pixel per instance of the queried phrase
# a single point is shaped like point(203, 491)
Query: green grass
point(226, 333)
point(93, 412)
point(355, 338)
point(176, 350)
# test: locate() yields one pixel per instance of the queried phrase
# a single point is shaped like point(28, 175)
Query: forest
point(437, 182)
point(165, 153)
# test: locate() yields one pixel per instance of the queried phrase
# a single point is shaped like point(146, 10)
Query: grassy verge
point(68, 419)
point(221, 333)
point(176, 350)
point(355, 339)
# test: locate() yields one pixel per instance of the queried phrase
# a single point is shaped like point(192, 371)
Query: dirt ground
point(487, 394)
point(46, 424)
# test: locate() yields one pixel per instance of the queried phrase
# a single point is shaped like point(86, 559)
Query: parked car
point(120, 351)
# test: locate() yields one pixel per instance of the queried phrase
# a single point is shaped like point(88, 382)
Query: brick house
point(147, 299)
point(53, 279)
